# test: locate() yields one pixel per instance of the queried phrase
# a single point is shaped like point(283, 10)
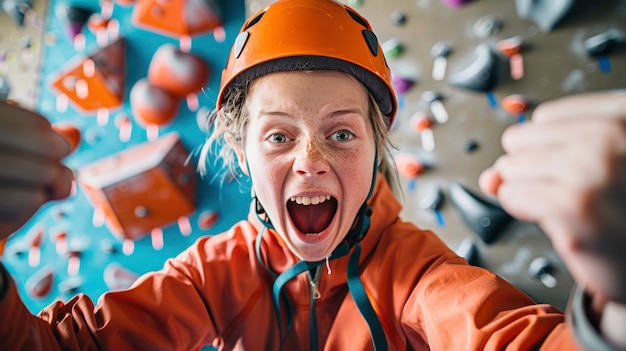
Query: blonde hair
point(227, 128)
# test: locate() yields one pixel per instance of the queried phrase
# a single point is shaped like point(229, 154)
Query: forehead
point(310, 95)
point(308, 86)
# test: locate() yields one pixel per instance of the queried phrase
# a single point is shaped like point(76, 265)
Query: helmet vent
point(355, 16)
point(372, 41)
point(240, 42)
point(255, 20)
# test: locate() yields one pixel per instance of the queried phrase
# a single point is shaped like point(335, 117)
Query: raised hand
point(31, 171)
point(566, 170)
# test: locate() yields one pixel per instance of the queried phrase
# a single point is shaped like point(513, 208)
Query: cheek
point(357, 167)
point(268, 174)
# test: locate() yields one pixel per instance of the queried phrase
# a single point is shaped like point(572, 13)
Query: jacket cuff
point(586, 334)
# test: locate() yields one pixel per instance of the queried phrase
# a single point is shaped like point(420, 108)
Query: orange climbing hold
point(515, 104)
point(180, 73)
point(98, 81)
point(152, 105)
point(177, 17)
point(409, 166)
point(150, 185)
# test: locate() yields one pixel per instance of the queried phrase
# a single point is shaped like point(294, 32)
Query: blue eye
point(343, 135)
point(278, 138)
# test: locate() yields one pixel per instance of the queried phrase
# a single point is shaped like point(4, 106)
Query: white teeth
point(305, 200)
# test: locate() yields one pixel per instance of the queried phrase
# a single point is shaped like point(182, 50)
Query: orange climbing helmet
point(309, 35)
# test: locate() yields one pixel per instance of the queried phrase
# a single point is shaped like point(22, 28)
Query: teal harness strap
point(354, 285)
point(276, 298)
point(313, 325)
point(257, 248)
point(362, 301)
point(286, 276)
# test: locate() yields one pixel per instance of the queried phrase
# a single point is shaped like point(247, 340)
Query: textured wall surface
point(555, 64)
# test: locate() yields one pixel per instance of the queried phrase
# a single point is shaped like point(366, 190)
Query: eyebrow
point(357, 111)
point(334, 114)
point(263, 113)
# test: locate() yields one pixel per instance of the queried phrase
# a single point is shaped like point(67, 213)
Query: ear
point(239, 153)
point(241, 159)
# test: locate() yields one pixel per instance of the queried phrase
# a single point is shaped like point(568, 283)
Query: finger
point(61, 186)
point(517, 166)
point(20, 169)
point(18, 203)
point(45, 144)
point(489, 181)
point(534, 201)
point(25, 131)
point(521, 137)
point(17, 206)
point(18, 117)
point(597, 105)
point(585, 132)
point(571, 167)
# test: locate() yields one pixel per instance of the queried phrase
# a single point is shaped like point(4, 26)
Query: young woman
point(323, 260)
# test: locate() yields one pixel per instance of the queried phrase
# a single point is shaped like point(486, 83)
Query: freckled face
point(310, 151)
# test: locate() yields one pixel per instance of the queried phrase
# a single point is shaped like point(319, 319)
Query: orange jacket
point(217, 293)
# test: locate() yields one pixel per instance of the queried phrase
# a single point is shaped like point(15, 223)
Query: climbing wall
point(463, 73)
point(137, 199)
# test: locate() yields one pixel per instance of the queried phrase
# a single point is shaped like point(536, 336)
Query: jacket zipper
point(314, 283)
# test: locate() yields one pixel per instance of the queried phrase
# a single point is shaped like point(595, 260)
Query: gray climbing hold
point(546, 14)
point(482, 74)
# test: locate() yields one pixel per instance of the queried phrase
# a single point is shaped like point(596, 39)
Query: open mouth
point(312, 215)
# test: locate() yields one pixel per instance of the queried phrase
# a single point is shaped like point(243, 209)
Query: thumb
point(489, 181)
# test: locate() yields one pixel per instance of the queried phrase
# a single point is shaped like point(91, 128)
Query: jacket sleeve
point(460, 307)
point(148, 316)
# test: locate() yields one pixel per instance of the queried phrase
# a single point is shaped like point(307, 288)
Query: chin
point(312, 252)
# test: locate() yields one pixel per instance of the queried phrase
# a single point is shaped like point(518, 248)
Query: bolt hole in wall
point(463, 71)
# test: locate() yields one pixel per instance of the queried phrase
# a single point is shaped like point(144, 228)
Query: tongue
point(311, 219)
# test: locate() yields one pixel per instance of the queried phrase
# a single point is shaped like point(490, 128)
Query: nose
point(311, 159)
